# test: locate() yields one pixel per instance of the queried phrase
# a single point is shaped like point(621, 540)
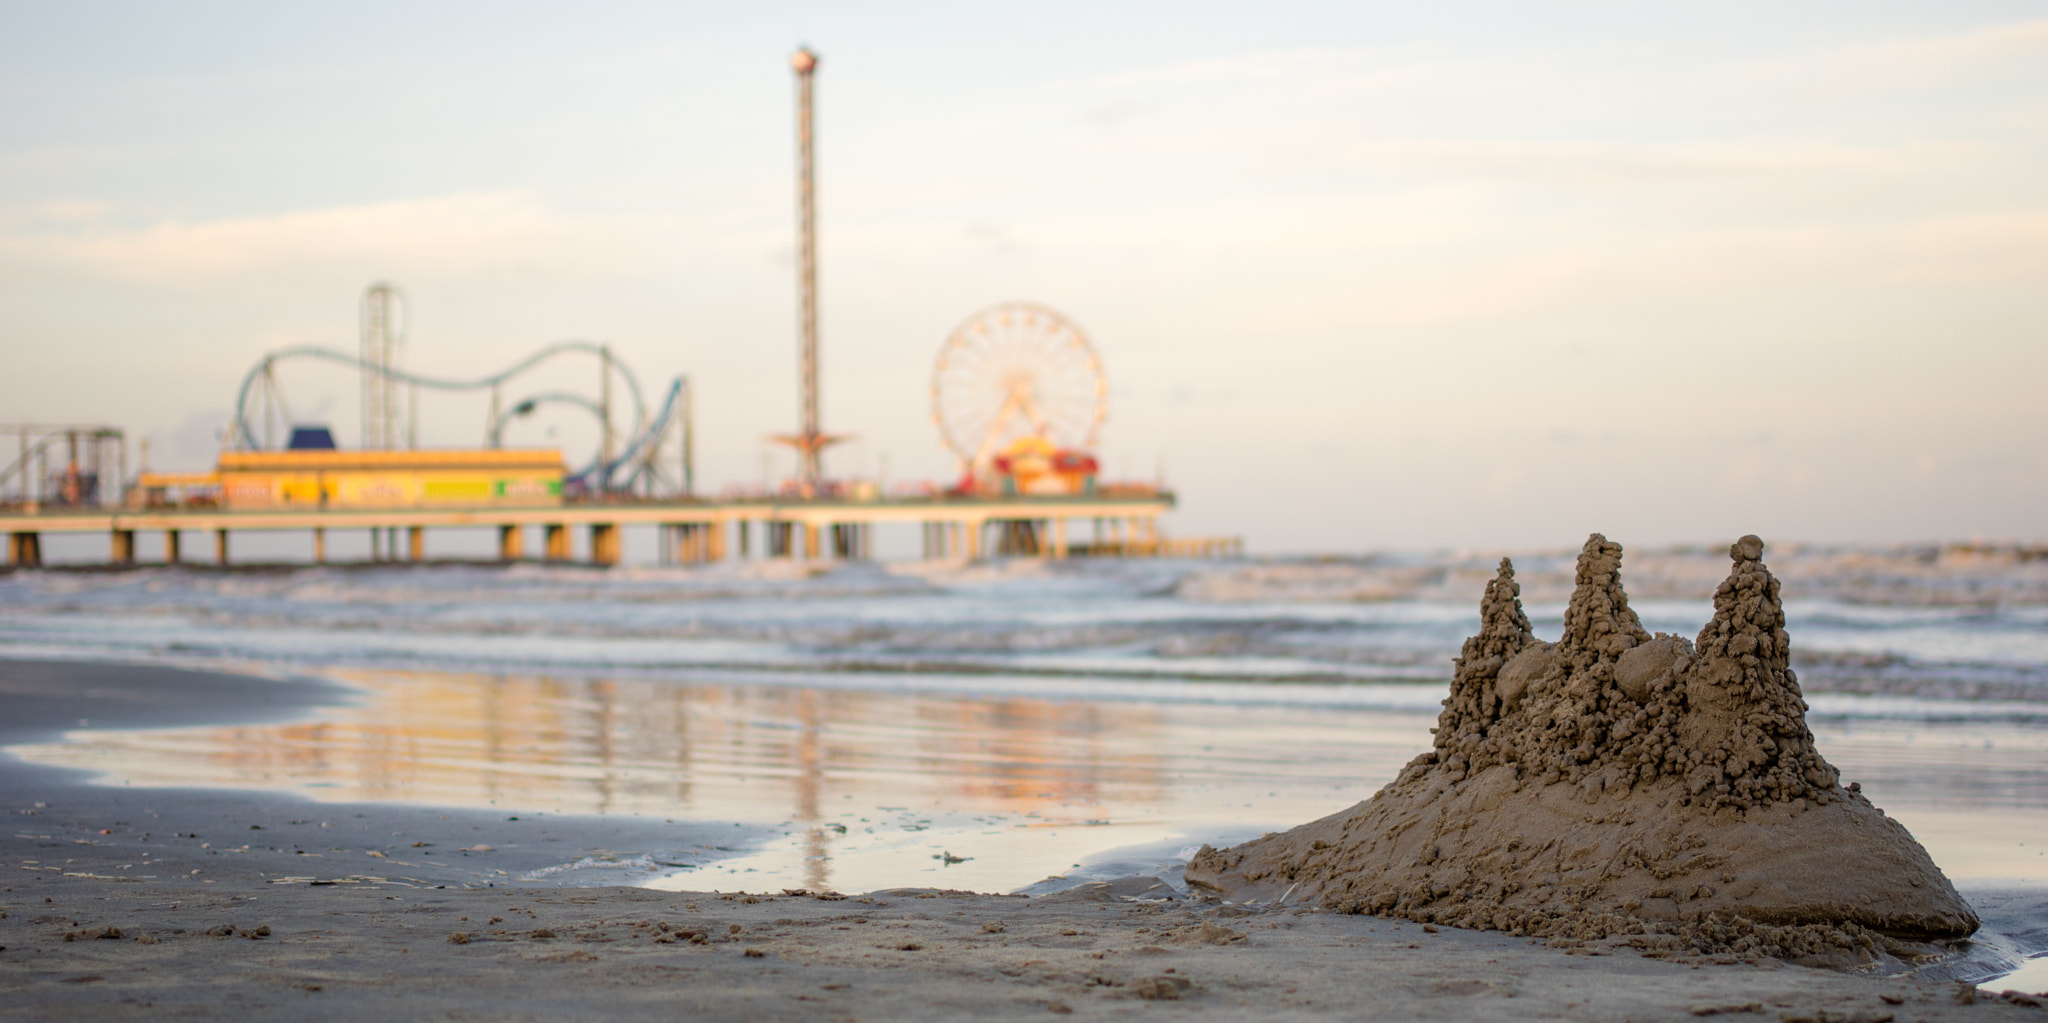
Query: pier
point(1018, 393)
point(693, 532)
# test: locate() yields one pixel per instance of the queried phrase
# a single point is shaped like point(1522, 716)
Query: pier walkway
point(966, 528)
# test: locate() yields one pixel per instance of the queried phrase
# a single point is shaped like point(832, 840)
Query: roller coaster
point(616, 468)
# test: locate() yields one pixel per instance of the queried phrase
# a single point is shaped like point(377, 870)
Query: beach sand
point(102, 916)
point(355, 951)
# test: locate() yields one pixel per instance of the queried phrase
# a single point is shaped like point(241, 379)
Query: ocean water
point(990, 726)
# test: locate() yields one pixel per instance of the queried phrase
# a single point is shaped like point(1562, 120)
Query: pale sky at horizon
point(1363, 276)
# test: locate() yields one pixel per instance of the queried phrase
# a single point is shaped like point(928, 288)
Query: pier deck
point(698, 531)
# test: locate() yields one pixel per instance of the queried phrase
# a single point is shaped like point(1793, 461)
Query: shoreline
point(349, 931)
point(238, 837)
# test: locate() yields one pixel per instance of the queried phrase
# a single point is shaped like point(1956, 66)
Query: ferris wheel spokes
point(1012, 374)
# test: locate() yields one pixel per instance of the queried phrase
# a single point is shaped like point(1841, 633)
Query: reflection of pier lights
point(533, 742)
point(622, 739)
point(810, 785)
point(603, 696)
point(1040, 752)
point(492, 723)
point(680, 734)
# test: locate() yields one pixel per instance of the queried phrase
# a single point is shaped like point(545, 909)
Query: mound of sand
point(1617, 782)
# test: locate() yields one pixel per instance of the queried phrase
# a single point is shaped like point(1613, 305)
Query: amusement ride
point(629, 457)
point(1020, 397)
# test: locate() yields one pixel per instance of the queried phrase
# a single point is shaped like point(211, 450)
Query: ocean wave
point(1927, 576)
point(1147, 624)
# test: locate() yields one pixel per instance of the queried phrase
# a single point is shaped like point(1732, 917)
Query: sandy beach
point(140, 903)
point(346, 951)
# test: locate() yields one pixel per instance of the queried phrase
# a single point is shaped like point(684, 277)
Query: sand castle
point(1619, 783)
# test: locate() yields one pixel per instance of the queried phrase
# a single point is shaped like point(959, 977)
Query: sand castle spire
point(1503, 628)
point(1598, 618)
point(1745, 720)
point(1503, 633)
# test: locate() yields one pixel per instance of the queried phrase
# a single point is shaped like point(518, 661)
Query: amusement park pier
point(1018, 394)
point(696, 532)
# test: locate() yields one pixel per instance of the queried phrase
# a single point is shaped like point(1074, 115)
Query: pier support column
point(973, 531)
point(557, 543)
point(511, 543)
point(121, 543)
point(220, 547)
point(717, 537)
point(810, 541)
point(25, 550)
point(604, 544)
point(419, 543)
point(171, 538)
point(1059, 539)
point(319, 545)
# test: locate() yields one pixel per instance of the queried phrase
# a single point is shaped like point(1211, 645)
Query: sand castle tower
point(1616, 782)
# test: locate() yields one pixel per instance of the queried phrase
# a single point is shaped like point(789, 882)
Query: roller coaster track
point(631, 466)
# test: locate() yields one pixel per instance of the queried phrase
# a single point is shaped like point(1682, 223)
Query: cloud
point(1962, 53)
point(1602, 94)
point(508, 234)
point(1922, 66)
point(1710, 267)
point(1605, 163)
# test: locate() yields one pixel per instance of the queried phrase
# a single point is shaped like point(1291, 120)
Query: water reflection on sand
point(872, 785)
point(874, 788)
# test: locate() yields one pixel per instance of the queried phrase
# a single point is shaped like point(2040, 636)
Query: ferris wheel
point(1015, 371)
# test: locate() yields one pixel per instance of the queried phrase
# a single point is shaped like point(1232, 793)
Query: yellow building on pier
point(309, 479)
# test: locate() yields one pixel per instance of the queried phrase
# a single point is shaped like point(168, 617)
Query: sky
point(1362, 275)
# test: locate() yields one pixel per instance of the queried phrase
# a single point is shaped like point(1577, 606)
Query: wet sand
point(355, 934)
point(59, 821)
point(88, 948)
